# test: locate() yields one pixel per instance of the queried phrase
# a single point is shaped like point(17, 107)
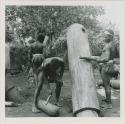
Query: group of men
point(45, 70)
point(50, 70)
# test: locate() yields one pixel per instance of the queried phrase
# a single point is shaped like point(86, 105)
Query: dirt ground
point(24, 110)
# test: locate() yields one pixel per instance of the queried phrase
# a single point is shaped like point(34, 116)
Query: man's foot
point(106, 106)
point(35, 109)
point(105, 100)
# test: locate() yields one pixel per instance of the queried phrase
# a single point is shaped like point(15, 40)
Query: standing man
point(107, 69)
point(37, 49)
point(38, 46)
point(107, 63)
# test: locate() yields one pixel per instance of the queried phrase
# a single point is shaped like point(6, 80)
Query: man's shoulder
point(108, 46)
point(36, 44)
point(32, 44)
point(53, 58)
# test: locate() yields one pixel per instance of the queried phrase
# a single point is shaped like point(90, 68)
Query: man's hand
point(50, 92)
point(86, 58)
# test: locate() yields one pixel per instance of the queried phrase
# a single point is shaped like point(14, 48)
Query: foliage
point(54, 19)
point(24, 21)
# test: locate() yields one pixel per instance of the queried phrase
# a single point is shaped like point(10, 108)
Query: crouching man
point(50, 71)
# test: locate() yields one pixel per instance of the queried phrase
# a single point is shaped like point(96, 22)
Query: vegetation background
point(24, 21)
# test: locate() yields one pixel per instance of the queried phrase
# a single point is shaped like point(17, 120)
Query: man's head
point(41, 37)
point(109, 34)
point(40, 30)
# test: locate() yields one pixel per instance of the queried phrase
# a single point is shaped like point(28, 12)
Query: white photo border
point(61, 120)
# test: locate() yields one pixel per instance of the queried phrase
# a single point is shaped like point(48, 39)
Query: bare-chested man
point(109, 63)
point(50, 71)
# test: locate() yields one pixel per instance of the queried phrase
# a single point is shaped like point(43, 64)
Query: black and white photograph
point(62, 60)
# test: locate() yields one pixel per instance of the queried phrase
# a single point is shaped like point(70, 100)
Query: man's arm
point(45, 40)
point(105, 56)
point(91, 58)
point(30, 56)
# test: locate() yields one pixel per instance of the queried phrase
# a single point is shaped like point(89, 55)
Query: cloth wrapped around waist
point(112, 69)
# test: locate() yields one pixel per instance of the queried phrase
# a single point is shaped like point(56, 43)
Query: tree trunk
point(84, 95)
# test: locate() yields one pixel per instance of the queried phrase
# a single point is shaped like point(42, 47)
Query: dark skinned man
point(108, 63)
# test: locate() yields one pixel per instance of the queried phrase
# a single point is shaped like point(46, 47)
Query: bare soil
point(27, 91)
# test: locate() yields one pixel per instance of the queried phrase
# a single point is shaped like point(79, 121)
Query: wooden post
point(84, 96)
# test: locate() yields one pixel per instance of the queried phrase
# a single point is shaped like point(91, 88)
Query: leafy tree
point(25, 21)
point(53, 19)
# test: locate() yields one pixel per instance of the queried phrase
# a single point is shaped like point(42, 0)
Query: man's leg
point(108, 90)
point(36, 79)
point(106, 82)
point(59, 85)
point(59, 82)
point(37, 92)
point(48, 86)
